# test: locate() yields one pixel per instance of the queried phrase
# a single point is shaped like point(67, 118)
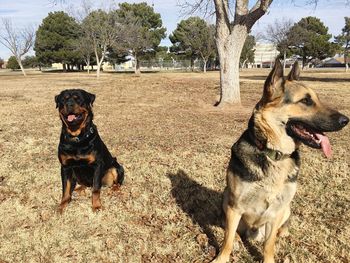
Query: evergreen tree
point(56, 40)
point(143, 30)
point(195, 38)
point(309, 39)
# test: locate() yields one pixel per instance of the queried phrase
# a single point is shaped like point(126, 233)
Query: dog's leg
point(283, 230)
point(68, 185)
point(271, 230)
point(96, 188)
point(231, 224)
point(120, 172)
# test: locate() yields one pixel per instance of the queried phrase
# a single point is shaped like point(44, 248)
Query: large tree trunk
point(229, 46)
point(21, 66)
point(230, 38)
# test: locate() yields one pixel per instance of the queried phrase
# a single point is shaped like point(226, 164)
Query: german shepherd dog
point(84, 157)
point(264, 165)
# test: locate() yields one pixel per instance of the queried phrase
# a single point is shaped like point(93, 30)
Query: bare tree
point(103, 30)
point(233, 23)
point(19, 42)
point(276, 33)
point(86, 48)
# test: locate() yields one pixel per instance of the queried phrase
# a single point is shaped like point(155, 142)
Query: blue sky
point(24, 12)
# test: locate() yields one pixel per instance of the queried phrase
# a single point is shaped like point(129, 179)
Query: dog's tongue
point(325, 144)
point(71, 117)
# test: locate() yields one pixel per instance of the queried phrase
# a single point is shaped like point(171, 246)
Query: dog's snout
point(70, 103)
point(343, 120)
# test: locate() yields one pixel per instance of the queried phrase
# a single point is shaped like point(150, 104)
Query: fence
point(176, 65)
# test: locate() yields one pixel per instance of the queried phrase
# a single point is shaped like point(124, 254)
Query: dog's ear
point(295, 72)
point(57, 100)
point(273, 83)
point(91, 98)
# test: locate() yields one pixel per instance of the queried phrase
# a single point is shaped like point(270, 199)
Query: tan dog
point(264, 165)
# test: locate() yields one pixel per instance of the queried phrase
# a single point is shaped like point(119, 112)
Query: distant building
point(335, 62)
point(265, 55)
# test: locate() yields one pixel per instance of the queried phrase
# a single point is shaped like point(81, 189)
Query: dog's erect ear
point(295, 72)
point(91, 98)
point(273, 83)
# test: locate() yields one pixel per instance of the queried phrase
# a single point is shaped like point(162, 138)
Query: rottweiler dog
point(84, 157)
point(263, 170)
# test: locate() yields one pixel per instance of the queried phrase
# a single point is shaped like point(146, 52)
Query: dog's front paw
point(96, 208)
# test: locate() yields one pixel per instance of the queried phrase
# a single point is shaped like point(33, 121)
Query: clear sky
point(25, 12)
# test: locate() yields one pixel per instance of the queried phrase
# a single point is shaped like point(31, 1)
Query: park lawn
point(175, 147)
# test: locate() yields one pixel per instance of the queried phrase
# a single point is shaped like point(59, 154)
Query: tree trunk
point(98, 69)
point(205, 66)
point(64, 67)
point(346, 61)
point(88, 67)
point(137, 65)
point(21, 66)
point(284, 61)
point(192, 64)
point(229, 45)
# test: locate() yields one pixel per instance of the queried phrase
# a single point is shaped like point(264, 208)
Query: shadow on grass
point(202, 204)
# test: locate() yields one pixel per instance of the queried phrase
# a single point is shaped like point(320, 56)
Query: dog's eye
point(307, 101)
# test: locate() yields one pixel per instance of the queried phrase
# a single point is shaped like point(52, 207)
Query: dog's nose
point(343, 120)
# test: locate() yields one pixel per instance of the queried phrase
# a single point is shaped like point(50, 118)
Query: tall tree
point(103, 30)
point(143, 29)
point(234, 20)
point(344, 41)
point(233, 23)
point(19, 42)
point(276, 33)
point(310, 39)
point(56, 39)
point(248, 51)
point(195, 36)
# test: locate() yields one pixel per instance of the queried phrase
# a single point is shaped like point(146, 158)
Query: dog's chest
point(71, 159)
point(266, 197)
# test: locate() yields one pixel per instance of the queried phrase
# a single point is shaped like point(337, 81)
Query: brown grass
point(175, 148)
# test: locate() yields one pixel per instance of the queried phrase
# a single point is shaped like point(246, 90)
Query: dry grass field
point(175, 147)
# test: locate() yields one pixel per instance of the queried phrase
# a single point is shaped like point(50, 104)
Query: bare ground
point(175, 147)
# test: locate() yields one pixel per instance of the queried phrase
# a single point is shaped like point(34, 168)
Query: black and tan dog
point(84, 157)
point(264, 165)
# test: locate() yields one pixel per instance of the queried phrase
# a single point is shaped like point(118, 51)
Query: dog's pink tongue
point(71, 117)
point(325, 144)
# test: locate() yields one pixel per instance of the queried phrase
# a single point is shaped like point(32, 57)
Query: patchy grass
point(175, 147)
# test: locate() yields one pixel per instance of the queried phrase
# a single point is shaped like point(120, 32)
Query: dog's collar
point(274, 155)
point(85, 136)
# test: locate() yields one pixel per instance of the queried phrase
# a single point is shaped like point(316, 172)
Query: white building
point(265, 55)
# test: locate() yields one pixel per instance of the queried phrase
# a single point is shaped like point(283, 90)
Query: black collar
point(82, 137)
point(274, 155)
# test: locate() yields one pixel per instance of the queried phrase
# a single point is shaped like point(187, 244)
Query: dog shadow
point(202, 204)
point(204, 207)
